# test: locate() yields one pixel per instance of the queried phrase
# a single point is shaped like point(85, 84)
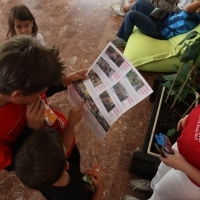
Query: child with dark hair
point(28, 70)
point(22, 22)
point(42, 168)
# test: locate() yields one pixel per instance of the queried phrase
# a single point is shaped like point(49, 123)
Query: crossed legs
point(139, 16)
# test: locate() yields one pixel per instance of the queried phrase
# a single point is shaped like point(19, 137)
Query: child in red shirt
point(27, 69)
point(178, 175)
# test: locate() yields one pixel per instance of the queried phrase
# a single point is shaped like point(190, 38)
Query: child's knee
point(131, 14)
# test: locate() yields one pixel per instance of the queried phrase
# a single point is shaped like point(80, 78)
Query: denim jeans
point(139, 16)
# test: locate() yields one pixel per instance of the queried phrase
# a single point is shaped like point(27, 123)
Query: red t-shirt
point(189, 141)
point(13, 121)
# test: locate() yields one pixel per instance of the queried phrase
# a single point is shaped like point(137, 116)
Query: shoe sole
point(125, 3)
point(128, 196)
point(139, 189)
point(119, 45)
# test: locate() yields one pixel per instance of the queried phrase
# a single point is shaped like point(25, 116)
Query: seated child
point(175, 24)
point(27, 69)
point(46, 169)
point(168, 5)
point(178, 175)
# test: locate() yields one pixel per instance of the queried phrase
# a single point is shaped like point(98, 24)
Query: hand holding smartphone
point(163, 142)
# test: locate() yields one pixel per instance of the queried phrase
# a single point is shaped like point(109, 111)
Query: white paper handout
point(113, 87)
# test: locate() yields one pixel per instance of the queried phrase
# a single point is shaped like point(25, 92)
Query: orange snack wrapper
point(50, 116)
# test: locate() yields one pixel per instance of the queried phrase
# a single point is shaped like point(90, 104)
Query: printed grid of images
point(105, 67)
point(114, 56)
point(82, 91)
point(134, 80)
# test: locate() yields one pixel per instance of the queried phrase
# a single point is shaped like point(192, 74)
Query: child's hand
point(96, 178)
point(75, 76)
point(182, 122)
point(176, 161)
point(75, 115)
point(35, 114)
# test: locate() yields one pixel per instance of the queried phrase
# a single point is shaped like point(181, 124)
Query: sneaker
point(119, 42)
point(117, 8)
point(141, 185)
point(127, 2)
point(129, 197)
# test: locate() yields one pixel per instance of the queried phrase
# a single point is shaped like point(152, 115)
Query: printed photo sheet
point(113, 87)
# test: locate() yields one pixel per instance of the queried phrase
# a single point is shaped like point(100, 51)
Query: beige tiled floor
point(81, 29)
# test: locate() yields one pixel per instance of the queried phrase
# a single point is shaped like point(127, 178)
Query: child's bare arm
point(192, 7)
point(74, 116)
point(181, 123)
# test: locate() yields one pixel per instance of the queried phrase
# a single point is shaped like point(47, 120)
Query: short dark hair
point(28, 66)
point(41, 160)
point(20, 12)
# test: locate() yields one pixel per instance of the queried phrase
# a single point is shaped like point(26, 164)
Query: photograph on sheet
point(107, 101)
point(105, 67)
point(120, 92)
point(94, 78)
point(134, 80)
point(114, 56)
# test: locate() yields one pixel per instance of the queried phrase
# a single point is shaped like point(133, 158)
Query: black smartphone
point(160, 151)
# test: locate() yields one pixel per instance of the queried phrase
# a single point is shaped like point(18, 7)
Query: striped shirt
point(178, 23)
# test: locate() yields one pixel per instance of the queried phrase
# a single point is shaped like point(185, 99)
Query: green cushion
point(149, 54)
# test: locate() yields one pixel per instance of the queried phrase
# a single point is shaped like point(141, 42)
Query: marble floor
point(81, 29)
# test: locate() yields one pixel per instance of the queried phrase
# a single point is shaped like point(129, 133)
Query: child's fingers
point(81, 104)
point(79, 108)
point(94, 180)
point(90, 171)
point(30, 106)
point(36, 106)
point(83, 72)
point(93, 173)
point(174, 150)
point(41, 110)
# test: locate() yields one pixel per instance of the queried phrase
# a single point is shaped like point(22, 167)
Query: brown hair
point(20, 12)
point(41, 160)
point(28, 66)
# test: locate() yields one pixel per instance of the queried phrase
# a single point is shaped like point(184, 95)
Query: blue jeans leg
point(139, 17)
point(144, 23)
